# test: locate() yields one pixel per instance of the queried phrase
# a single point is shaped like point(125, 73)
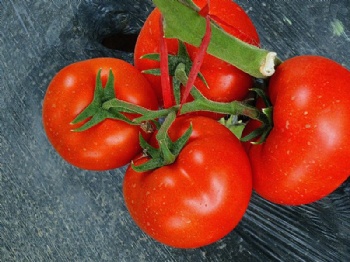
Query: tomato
point(199, 198)
point(225, 82)
point(110, 144)
point(306, 155)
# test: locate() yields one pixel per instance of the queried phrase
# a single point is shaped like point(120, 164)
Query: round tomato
point(225, 82)
point(111, 143)
point(306, 155)
point(199, 198)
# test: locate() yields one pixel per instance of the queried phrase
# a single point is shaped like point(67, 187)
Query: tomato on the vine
point(111, 143)
point(199, 198)
point(224, 82)
point(306, 155)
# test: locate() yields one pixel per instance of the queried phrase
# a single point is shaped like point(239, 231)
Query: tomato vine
point(176, 139)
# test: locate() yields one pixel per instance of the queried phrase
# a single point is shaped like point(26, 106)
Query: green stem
point(202, 104)
point(199, 104)
point(146, 114)
point(191, 27)
point(232, 108)
point(163, 139)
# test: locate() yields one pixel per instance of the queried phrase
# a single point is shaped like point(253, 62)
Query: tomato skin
point(110, 144)
point(226, 82)
point(199, 198)
point(306, 155)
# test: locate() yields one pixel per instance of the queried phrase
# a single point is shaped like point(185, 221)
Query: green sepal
point(99, 116)
point(262, 132)
point(147, 166)
point(177, 90)
point(183, 57)
point(253, 135)
point(94, 111)
point(179, 62)
point(262, 94)
point(233, 124)
point(151, 56)
point(153, 71)
point(179, 144)
point(166, 154)
point(147, 148)
point(201, 77)
point(93, 107)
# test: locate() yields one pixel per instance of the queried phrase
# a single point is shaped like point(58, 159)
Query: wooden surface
point(51, 211)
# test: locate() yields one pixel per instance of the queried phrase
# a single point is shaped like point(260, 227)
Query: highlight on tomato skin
point(226, 82)
point(110, 144)
point(199, 198)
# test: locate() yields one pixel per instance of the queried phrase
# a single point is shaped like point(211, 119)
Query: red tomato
point(110, 144)
point(226, 82)
point(199, 198)
point(306, 155)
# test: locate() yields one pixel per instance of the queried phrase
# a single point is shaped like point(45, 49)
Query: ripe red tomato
point(110, 144)
point(199, 198)
point(306, 155)
point(226, 82)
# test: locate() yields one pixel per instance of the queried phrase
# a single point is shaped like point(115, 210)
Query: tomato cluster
point(190, 179)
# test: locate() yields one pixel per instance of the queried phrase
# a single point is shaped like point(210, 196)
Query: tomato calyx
point(179, 62)
point(94, 112)
point(259, 135)
point(168, 150)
